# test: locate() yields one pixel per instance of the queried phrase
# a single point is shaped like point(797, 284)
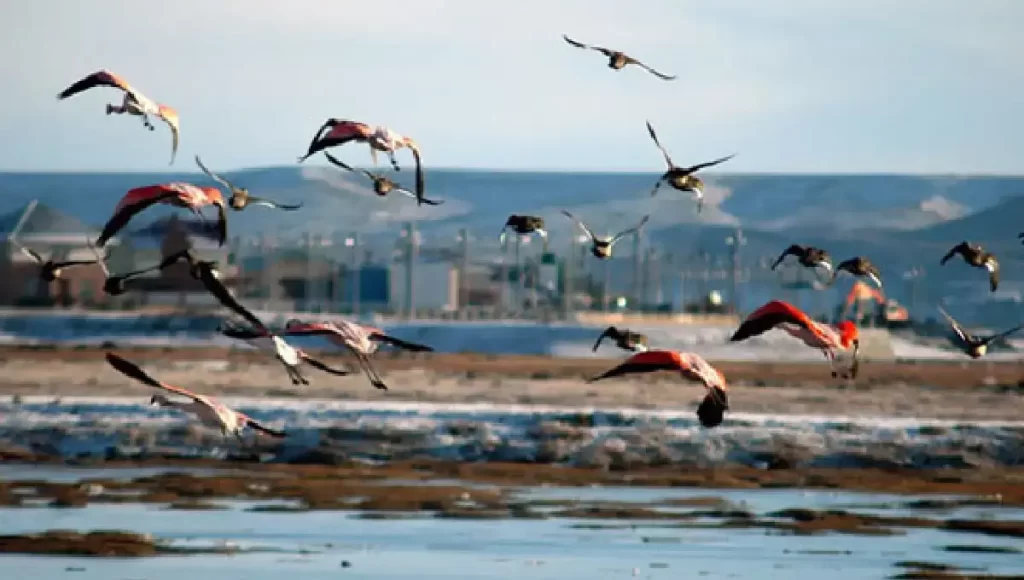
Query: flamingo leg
point(371, 372)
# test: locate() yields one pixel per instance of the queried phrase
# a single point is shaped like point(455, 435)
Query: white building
point(435, 287)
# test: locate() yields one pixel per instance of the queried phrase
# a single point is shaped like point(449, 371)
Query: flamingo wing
point(348, 167)
point(582, 225)
point(654, 137)
point(323, 367)
point(312, 329)
point(103, 78)
point(339, 133)
point(419, 172)
point(645, 362)
point(133, 371)
point(405, 345)
point(769, 316)
point(170, 116)
point(211, 281)
point(254, 424)
point(133, 203)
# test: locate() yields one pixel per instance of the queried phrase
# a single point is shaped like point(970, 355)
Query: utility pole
point(464, 270)
point(357, 267)
point(567, 285)
point(637, 283)
point(411, 252)
point(735, 241)
point(520, 278)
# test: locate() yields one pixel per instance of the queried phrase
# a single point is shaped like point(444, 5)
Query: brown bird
point(691, 366)
point(602, 247)
point(206, 272)
point(683, 178)
point(976, 257)
point(381, 184)
point(860, 267)
point(524, 225)
point(624, 339)
point(618, 60)
point(807, 256)
point(240, 197)
point(974, 346)
point(48, 269)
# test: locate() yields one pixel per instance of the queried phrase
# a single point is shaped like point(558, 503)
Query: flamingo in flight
point(177, 194)
point(361, 340)
point(683, 178)
point(602, 247)
point(336, 132)
point(618, 60)
point(381, 184)
point(624, 339)
point(976, 256)
point(711, 410)
point(134, 103)
point(263, 339)
point(208, 410)
point(830, 340)
point(240, 198)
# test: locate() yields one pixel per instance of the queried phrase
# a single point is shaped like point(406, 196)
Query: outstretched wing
point(346, 166)
point(578, 44)
point(321, 366)
point(1005, 333)
point(582, 225)
point(957, 249)
point(793, 250)
point(126, 211)
point(28, 251)
point(217, 288)
point(170, 116)
point(631, 230)
point(253, 423)
point(645, 362)
point(650, 70)
point(410, 346)
point(273, 204)
point(213, 175)
point(103, 78)
point(338, 132)
point(654, 137)
point(100, 259)
point(699, 166)
point(769, 316)
point(133, 371)
point(610, 331)
point(963, 336)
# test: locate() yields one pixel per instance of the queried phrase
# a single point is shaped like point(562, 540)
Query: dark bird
point(263, 339)
point(807, 256)
point(207, 273)
point(618, 60)
point(208, 410)
point(974, 346)
point(692, 367)
point(976, 257)
point(683, 178)
point(240, 197)
point(602, 247)
point(48, 269)
point(381, 184)
point(524, 225)
point(860, 267)
point(624, 339)
point(115, 285)
point(176, 194)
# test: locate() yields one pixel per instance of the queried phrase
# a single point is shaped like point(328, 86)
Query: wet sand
point(967, 390)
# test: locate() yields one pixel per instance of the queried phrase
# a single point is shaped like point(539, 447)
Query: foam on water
point(85, 426)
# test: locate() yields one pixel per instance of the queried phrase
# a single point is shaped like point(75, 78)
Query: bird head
point(848, 334)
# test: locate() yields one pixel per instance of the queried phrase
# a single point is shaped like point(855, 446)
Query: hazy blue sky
point(800, 85)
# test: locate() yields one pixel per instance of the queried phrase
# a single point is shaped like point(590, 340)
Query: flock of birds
point(363, 341)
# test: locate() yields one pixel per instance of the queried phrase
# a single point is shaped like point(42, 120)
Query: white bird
point(286, 354)
point(208, 410)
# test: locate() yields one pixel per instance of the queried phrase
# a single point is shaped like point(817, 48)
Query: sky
point(806, 86)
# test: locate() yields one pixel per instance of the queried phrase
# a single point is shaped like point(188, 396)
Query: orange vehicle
point(892, 312)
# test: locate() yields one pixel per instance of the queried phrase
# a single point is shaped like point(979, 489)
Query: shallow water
point(427, 547)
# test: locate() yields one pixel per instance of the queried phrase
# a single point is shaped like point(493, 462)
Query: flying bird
point(115, 285)
point(208, 410)
point(48, 269)
point(683, 178)
point(240, 197)
point(830, 340)
point(361, 340)
point(807, 256)
point(860, 267)
point(134, 103)
point(974, 346)
point(381, 184)
point(336, 132)
point(602, 247)
point(289, 356)
point(524, 225)
point(624, 339)
point(692, 367)
point(618, 60)
point(976, 257)
point(176, 194)
point(207, 273)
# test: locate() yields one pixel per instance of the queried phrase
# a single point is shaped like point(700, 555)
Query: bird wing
point(631, 230)
point(963, 336)
point(582, 225)
point(699, 166)
point(100, 259)
point(410, 346)
point(610, 331)
point(103, 78)
point(957, 249)
point(133, 371)
point(654, 137)
point(993, 273)
point(217, 288)
point(420, 184)
point(28, 251)
point(344, 165)
point(213, 175)
point(170, 116)
point(339, 133)
point(321, 366)
point(71, 263)
point(578, 44)
point(328, 124)
point(769, 316)
point(253, 423)
point(793, 250)
point(695, 367)
point(268, 203)
point(1005, 333)
point(134, 202)
point(660, 75)
point(312, 329)
point(645, 362)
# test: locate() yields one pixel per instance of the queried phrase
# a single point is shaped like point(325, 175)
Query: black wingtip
point(711, 411)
